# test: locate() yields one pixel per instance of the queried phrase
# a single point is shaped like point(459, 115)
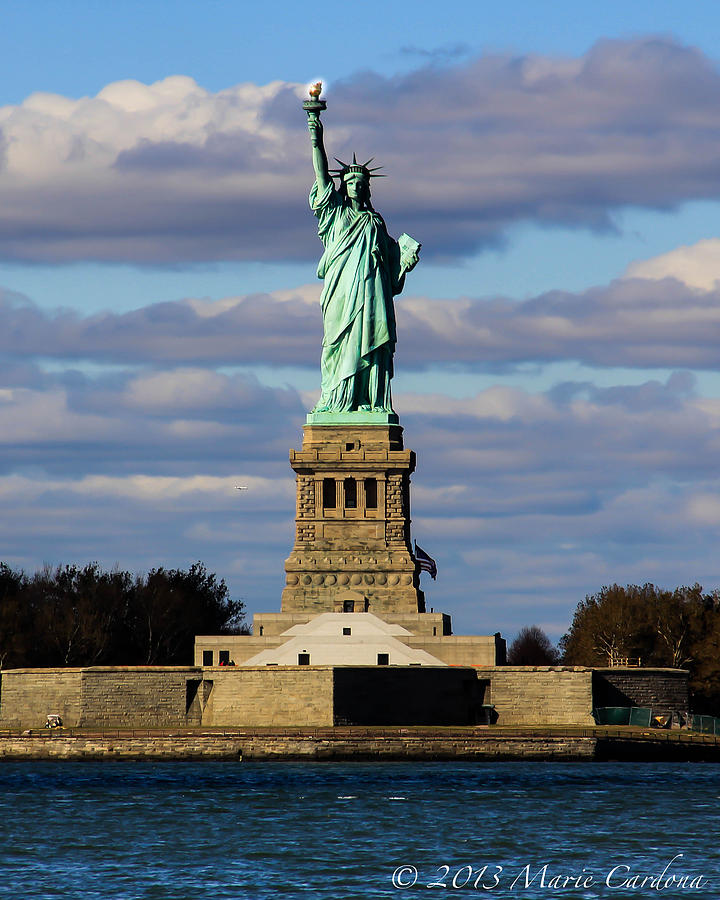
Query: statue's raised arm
point(363, 268)
point(319, 156)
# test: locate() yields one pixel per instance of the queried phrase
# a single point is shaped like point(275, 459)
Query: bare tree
point(532, 647)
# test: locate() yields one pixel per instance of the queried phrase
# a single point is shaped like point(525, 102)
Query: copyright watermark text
point(487, 877)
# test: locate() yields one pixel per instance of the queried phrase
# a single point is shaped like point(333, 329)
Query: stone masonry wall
point(270, 695)
point(141, 697)
point(319, 696)
point(309, 743)
point(27, 696)
point(540, 695)
point(462, 650)
point(663, 690)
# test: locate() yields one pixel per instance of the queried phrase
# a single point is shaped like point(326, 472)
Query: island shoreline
point(362, 743)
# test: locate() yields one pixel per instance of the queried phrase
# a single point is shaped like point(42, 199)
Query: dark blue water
point(340, 831)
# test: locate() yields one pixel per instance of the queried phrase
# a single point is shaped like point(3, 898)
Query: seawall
point(359, 743)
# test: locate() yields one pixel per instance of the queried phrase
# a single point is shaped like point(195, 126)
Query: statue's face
point(357, 186)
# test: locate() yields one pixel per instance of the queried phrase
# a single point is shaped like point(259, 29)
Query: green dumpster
point(640, 716)
point(612, 715)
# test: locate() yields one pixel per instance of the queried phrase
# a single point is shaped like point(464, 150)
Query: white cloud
point(307, 294)
point(30, 416)
point(179, 389)
point(632, 322)
point(498, 402)
point(697, 265)
point(171, 172)
point(159, 491)
point(704, 509)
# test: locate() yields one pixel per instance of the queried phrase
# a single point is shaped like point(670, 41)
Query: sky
point(557, 362)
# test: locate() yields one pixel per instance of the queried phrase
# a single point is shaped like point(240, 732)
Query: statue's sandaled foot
point(365, 408)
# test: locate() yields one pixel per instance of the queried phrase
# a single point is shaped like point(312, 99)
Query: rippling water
point(324, 830)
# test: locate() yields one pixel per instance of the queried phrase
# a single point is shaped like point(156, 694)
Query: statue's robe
point(361, 270)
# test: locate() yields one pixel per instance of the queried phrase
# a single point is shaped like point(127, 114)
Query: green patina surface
point(352, 418)
point(363, 268)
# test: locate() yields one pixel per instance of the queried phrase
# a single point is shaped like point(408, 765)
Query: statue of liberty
point(362, 268)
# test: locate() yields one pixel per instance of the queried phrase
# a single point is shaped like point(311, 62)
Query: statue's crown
point(355, 166)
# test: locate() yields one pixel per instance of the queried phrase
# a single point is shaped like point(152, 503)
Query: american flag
point(425, 561)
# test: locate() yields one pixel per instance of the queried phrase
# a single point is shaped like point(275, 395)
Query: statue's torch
point(314, 106)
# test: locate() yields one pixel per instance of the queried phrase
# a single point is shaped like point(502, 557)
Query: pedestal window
point(371, 493)
point(350, 493)
point(329, 493)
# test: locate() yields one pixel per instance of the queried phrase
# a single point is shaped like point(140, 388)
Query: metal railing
point(644, 717)
point(625, 662)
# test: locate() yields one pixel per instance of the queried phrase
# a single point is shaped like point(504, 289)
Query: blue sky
point(557, 365)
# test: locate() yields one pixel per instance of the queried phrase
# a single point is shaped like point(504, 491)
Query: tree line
point(84, 616)
point(644, 624)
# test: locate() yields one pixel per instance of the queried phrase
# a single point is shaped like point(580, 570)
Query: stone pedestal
point(352, 548)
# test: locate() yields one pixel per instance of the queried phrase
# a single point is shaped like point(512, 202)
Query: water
point(323, 830)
